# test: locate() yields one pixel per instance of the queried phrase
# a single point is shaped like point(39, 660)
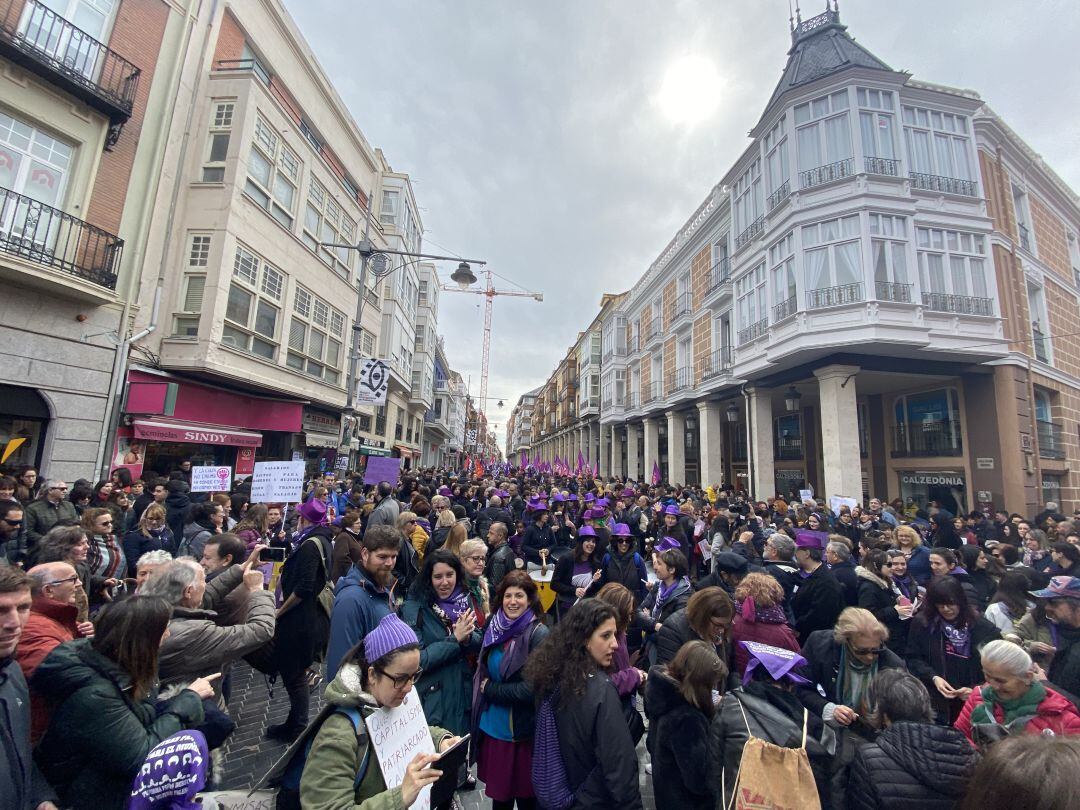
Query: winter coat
point(683, 766)
point(49, 625)
point(818, 602)
point(194, 537)
point(359, 604)
point(385, 513)
point(911, 765)
point(918, 565)
point(136, 544)
point(597, 749)
point(337, 751)
point(198, 646)
point(787, 574)
point(536, 538)
point(177, 505)
point(501, 561)
point(513, 691)
point(22, 786)
point(562, 581)
point(626, 569)
point(877, 596)
point(1064, 671)
point(42, 515)
point(1055, 715)
point(822, 670)
point(775, 715)
point(926, 658)
point(99, 735)
point(438, 537)
point(767, 627)
point(846, 576)
point(346, 554)
point(676, 601)
point(303, 630)
point(492, 514)
point(445, 687)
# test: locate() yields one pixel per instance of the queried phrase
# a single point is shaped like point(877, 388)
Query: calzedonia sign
point(936, 479)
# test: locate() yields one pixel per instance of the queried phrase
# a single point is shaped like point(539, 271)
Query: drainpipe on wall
point(750, 488)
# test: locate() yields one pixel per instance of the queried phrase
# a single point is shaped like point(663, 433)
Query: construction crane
point(463, 279)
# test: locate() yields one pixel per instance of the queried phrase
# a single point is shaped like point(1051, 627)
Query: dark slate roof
point(821, 46)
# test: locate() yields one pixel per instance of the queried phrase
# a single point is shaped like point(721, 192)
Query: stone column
point(761, 450)
point(710, 435)
point(633, 451)
point(652, 447)
point(606, 467)
point(617, 467)
point(839, 431)
point(676, 447)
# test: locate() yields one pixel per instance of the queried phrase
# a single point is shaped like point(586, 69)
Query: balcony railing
point(682, 379)
point(885, 166)
point(43, 41)
point(653, 391)
point(719, 275)
point(633, 345)
point(827, 173)
point(633, 401)
point(655, 330)
point(834, 296)
point(1051, 441)
point(960, 304)
point(47, 236)
point(785, 309)
point(753, 332)
point(716, 364)
point(778, 196)
point(752, 230)
point(788, 448)
point(946, 185)
point(1025, 236)
point(684, 305)
point(893, 291)
point(939, 437)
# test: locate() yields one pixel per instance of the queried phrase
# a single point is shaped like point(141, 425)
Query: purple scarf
point(500, 629)
point(957, 639)
point(664, 594)
point(455, 605)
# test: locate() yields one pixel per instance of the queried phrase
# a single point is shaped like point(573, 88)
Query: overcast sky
point(566, 141)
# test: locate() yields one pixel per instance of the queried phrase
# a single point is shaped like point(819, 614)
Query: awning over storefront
point(166, 431)
point(312, 439)
point(407, 452)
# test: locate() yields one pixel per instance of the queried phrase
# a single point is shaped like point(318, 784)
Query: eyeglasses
point(58, 489)
point(476, 558)
point(400, 681)
point(868, 650)
point(65, 581)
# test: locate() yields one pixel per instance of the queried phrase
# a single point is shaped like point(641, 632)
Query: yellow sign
point(11, 447)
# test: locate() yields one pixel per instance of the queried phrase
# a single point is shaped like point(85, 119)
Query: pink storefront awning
point(163, 431)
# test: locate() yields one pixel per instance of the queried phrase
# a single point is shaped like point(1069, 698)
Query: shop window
point(325, 221)
point(316, 337)
point(186, 322)
point(788, 436)
point(217, 141)
point(1051, 487)
point(273, 174)
point(253, 308)
point(927, 424)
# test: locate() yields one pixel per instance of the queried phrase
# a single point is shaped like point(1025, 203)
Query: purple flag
point(655, 473)
point(580, 461)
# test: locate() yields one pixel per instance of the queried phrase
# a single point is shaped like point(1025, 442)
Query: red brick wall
point(230, 41)
point(136, 36)
point(702, 344)
point(1051, 241)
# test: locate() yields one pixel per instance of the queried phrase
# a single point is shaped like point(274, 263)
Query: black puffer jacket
point(911, 765)
point(683, 767)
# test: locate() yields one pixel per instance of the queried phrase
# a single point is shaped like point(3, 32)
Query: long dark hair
point(129, 633)
point(562, 662)
point(422, 589)
point(947, 591)
point(1012, 591)
point(519, 579)
point(697, 670)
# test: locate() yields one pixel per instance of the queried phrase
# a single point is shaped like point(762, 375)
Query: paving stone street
point(248, 754)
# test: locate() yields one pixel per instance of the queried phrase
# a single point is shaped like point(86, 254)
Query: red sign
point(194, 434)
point(245, 461)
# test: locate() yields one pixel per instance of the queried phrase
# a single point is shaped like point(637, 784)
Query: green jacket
point(446, 685)
point(335, 756)
point(41, 516)
point(98, 736)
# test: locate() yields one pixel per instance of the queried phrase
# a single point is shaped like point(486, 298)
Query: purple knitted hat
point(390, 634)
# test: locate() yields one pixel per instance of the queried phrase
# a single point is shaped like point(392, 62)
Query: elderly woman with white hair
point(473, 555)
point(1014, 700)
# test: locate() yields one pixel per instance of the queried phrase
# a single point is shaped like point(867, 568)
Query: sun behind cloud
point(690, 91)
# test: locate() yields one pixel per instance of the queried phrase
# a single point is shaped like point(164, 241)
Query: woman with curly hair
point(759, 616)
point(593, 738)
point(443, 612)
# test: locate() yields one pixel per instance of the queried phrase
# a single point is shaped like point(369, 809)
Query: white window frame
point(962, 255)
point(782, 272)
point(751, 299)
point(389, 206)
point(1039, 315)
point(777, 166)
point(311, 316)
point(193, 286)
point(325, 220)
point(889, 249)
point(264, 286)
point(822, 116)
point(1022, 214)
point(222, 115)
point(831, 239)
point(748, 202)
point(277, 192)
point(938, 129)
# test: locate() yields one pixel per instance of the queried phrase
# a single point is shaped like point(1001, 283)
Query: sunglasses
point(868, 650)
point(400, 681)
point(15, 523)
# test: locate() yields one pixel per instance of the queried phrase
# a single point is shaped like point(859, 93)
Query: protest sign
point(211, 479)
point(382, 468)
point(277, 482)
point(806, 495)
point(836, 501)
point(397, 736)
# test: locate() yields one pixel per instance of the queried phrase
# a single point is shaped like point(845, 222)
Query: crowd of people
point(875, 656)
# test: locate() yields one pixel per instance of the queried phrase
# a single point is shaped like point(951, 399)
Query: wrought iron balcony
point(827, 173)
point(885, 166)
point(682, 379)
point(785, 309)
point(45, 43)
point(655, 330)
point(748, 234)
point(753, 332)
point(1051, 440)
point(940, 437)
point(893, 291)
point(778, 196)
point(653, 392)
point(683, 306)
point(719, 275)
point(946, 185)
point(633, 401)
point(960, 304)
point(788, 448)
point(633, 345)
point(716, 364)
point(834, 296)
point(47, 236)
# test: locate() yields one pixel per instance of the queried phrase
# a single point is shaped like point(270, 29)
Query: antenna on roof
point(791, 16)
point(798, 13)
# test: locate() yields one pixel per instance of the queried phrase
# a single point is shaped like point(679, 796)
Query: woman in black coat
point(678, 699)
point(877, 595)
point(576, 572)
point(912, 763)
